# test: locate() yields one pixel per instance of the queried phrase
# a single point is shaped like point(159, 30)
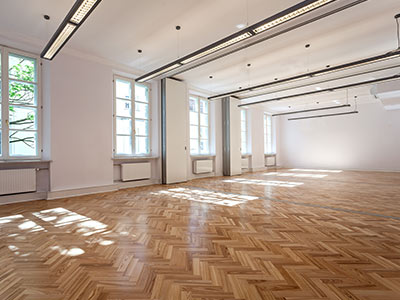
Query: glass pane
point(203, 119)
point(124, 108)
point(23, 143)
point(141, 145)
point(194, 146)
point(193, 104)
point(204, 132)
point(124, 145)
point(23, 118)
point(204, 106)
point(124, 126)
point(141, 110)
point(194, 132)
point(194, 118)
point(244, 148)
point(141, 93)
point(204, 147)
point(243, 136)
point(123, 89)
point(22, 93)
point(22, 68)
point(142, 127)
point(243, 114)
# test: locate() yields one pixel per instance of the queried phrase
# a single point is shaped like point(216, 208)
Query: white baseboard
point(131, 184)
point(81, 192)
point(19, 198)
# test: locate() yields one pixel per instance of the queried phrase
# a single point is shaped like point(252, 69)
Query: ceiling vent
point(388, 93)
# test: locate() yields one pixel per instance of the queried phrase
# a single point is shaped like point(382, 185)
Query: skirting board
point(81, 192)
point(19, 198)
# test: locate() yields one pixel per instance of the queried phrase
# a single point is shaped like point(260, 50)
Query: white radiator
point(135, 171)
point(203, 166)
point(245, 163)
point(270, 161)
point(17, 181)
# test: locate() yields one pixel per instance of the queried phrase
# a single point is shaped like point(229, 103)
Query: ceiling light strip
point(323, 116)
point(311, 110)
point(332, 89)
point(354, 64)
point(74, 19)
point(280, 18)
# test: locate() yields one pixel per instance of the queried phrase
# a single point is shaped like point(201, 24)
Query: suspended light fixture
point(310, 110)
point(250, 32)
point(75, 17)
point(323, 116)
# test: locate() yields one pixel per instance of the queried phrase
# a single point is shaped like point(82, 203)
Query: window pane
point(204, 132)
point(203, 120)
point(124, 126)
point(194, 132)
point(141, 145)
point(204, 106)
point(141, 110)
point(22, 68)
point(23, 143)
point(124, 145)
point(244, 148)
point(22, 93)
point(123, 89)
point(23, 118)
point(204, 147)
point(141, 93)
point(193, 105)
point(194, 118)
point(194, 146)
point(124, 108)
point(142, 127)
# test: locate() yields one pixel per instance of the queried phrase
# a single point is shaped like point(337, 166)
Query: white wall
point(256, 137)
point(365, 141)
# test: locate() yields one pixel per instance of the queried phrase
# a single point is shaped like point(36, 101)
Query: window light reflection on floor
point(210, 197)
point(265, 182)
point(315, 170)
point(304, 175)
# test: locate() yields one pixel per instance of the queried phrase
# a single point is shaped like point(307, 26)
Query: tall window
point(268, 134)
point(199, 125)
point(19, 105)
point(243, 127)
point(131, 118)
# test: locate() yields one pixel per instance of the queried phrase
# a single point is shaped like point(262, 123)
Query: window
point(131, 118)
point(268, 134)
point(199, 126)
point(19, 105)
point(243, 130)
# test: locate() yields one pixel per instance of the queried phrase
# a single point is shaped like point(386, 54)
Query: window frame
point(246, 131)
point(199, 98)
point(133, 117)
point(266, 116)
point(4, 104)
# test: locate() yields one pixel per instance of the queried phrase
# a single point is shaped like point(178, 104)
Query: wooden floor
point(287, 234)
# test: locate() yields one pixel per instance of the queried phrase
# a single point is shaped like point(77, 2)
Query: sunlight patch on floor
point(315, 170)
point(304, 175)
point(203, 196)
point(265, 182)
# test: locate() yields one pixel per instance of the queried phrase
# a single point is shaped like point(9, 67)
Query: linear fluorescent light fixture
point(332, 89)
point(75, 17)
point(323, 116)
point(354, 64)
point(291, 13)
point(310, 110)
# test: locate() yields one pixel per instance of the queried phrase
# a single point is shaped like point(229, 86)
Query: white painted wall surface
point(256, 137)
point(235, 140)
point(365, 141)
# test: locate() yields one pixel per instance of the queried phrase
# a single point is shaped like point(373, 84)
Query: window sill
point(246, 155)
point(270, 154)
point(119, 160)
point(32, 163)
point(24, 161)
point(204, 156)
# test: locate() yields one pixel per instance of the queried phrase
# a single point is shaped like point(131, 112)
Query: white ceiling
point(117, 28)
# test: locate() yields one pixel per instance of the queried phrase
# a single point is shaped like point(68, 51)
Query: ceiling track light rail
point(332, 89)
point(324, 116)
point(79, 12)
point(310, 110)
point(245, 34)
point(354, 64)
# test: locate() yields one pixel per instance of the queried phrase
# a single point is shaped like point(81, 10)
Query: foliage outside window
point(131, 118)
point(19, 126)
point(199, 126)
point(268, 134)
point(243, 130)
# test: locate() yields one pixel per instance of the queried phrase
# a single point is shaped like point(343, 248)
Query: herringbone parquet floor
point(287, 234)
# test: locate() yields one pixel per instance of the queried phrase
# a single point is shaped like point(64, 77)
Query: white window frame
point(268, 136)
point(199, 98)
point(246, 131)
point(5, 151)
point(133, 133)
